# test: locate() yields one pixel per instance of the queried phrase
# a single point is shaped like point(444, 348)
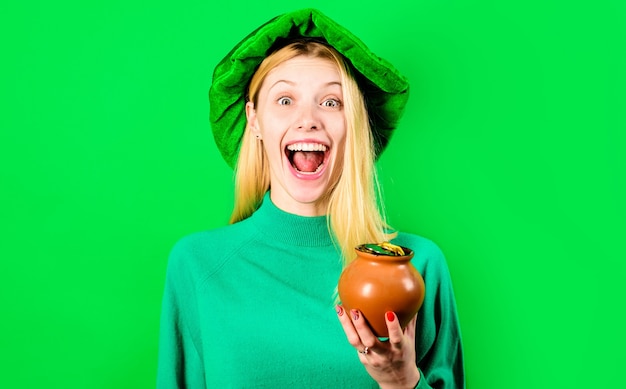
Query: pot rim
point(408, 254)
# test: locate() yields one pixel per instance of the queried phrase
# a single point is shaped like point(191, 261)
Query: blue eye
point(332, 103)
point(284, 101)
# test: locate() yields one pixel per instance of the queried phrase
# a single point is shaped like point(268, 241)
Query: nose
point(308, 119)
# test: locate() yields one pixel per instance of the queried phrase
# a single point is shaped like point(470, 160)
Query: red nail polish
point(339, 310)
point(355, 314)
point(391, 316)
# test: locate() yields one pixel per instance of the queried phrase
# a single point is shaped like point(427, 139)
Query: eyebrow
point(291, 83)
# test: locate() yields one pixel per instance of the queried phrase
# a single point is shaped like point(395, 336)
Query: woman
point(250, 304)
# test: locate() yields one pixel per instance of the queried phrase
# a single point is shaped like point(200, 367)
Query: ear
point(253, 124)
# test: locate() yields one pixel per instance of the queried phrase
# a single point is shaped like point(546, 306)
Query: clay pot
point(376, 283)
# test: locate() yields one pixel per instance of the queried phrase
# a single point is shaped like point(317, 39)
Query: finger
point(409, 331)
point(348, 328)
point(396, 335)
point(368, 339)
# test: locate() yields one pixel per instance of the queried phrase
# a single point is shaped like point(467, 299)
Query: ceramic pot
point(376, 283)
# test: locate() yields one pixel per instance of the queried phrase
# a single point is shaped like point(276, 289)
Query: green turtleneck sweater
point(252, 305)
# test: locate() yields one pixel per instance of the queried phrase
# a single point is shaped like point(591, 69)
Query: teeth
point(316, 170)
point(306, 147)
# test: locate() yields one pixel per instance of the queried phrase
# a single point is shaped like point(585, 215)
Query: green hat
point(384, 88)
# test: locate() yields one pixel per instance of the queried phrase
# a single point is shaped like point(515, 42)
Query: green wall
point(510, 157)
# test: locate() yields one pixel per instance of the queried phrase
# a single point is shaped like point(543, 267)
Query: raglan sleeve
point(438, 335)
point(179, 360)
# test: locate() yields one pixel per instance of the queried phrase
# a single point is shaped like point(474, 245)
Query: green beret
point(384, 88)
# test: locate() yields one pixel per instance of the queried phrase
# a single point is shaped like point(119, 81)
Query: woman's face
point(301, 121)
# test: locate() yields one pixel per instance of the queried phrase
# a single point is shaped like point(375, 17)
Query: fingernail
point(391, 316)
point(355, 314)
point(339, 310)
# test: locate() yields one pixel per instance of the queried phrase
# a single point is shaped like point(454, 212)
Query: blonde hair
point(354, 216)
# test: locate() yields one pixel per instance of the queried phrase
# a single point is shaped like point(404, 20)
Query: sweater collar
point(307, 231)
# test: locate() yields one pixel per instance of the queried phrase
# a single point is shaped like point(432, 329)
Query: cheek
point(271, 140)
point(340, 136)
point(341, 150)
point(272, 124)
point(341, 131)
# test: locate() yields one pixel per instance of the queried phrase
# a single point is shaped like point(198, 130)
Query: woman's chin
point(310, 197)
point(302, 193)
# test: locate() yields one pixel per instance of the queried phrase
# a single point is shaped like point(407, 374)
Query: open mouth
point(306, 158)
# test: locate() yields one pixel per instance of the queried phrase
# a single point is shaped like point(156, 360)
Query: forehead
point(306, 68)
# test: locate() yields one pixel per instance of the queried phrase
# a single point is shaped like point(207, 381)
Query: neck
point(287, 204)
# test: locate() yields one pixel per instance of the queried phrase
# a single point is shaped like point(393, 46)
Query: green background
point(510, 157)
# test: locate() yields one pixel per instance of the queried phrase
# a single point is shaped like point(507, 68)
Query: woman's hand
point(391, 363)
